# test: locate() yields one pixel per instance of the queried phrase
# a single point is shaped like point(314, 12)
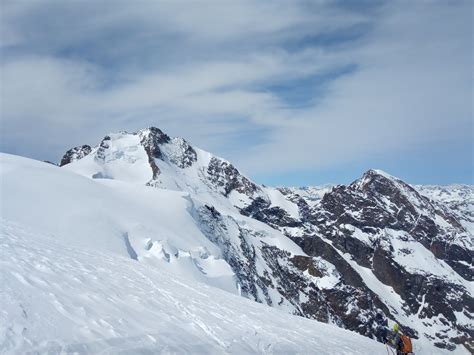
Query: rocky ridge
point(75, 153)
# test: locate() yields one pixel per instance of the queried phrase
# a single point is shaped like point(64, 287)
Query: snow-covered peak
point(119, 156)
point(155, 134)
point(374, 176)
point(391, 190)
point(149, 156)
point(135, 157)
point(380, 172)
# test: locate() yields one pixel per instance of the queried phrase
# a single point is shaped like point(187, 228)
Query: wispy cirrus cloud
point(298, 85)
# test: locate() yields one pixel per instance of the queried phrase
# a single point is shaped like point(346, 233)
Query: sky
point(293, 92)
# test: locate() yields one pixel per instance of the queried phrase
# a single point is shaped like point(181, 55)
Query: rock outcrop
point(75, 153)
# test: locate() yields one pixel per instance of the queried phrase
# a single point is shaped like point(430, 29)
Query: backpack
point(407, 347)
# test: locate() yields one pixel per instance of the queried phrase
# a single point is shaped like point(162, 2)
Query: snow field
point(58, 298)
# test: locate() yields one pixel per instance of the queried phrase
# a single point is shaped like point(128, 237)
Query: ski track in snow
point(57, 298)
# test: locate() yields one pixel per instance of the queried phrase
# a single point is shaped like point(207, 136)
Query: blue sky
point(293, 92)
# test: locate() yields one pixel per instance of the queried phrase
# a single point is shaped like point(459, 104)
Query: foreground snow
point(59, 298)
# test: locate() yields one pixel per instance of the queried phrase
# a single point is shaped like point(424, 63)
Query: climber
point(401, 342)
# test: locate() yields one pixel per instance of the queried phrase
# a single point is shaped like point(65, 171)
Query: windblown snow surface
point(80, 274)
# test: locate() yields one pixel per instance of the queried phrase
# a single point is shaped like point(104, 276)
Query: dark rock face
point(242, 257)
point(75, 153)
point(225, 176)
point(151, 140)
point(460, 259)
point(355, 305)
point(274, 216)
point(185, 155)
point(104, 145)
point(158, 137)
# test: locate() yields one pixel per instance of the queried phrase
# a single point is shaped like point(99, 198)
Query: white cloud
point(206, 71)
point(412, 86)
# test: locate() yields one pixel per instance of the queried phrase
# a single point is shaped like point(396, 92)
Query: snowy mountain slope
point(310, 194)
point(357, 256)
point(110, 216)
point(459, 198)
point(60, 298)
point(160, 227)
point(373, 251)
